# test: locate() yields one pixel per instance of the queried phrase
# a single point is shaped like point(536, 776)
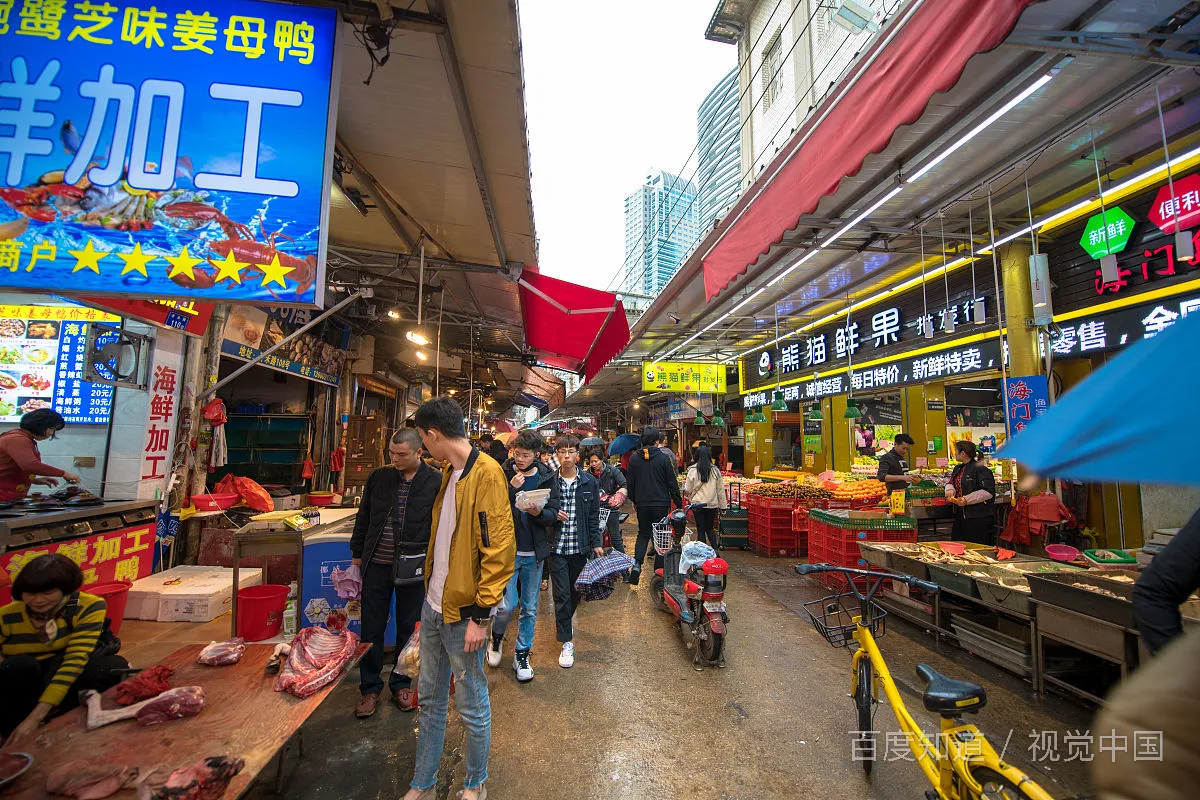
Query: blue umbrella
point(624, 443)
point(1122, 422)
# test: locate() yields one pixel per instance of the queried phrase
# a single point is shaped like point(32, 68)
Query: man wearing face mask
point(391, 535)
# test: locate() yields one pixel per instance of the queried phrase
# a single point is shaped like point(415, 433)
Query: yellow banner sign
point(682, 376)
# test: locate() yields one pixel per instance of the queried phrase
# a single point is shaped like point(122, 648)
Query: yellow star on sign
point(230, 268)
point(88, 257)
point(274, 272)
point(183, 264)
point(136, 261)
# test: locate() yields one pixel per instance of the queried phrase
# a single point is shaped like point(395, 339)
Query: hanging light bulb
point(1185, 247)
point(717, 420)
point(852, 411)
point(780, 404)
point(1108, 269)
point(815, 414)
point(699, 420)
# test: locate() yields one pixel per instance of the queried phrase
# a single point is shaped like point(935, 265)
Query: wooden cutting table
point(243, 717)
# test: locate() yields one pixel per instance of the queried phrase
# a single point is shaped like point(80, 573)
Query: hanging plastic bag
point(255, 496)
point(409, 661)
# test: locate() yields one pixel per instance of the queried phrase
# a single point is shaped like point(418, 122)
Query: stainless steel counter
point(25, 528)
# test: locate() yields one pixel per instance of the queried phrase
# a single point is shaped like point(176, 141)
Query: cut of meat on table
point(90, 780)
point(220, 654)
point(204, 780)
point(317, 658)
point(146, 684)
point(186, 701)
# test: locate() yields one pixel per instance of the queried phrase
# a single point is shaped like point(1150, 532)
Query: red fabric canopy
point(572, 327)
point(926, 57)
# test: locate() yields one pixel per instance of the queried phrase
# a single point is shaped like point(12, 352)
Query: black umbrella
point(591, 441)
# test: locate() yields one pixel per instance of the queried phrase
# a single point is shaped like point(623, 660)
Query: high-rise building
point(718, 179)
point(660, 231)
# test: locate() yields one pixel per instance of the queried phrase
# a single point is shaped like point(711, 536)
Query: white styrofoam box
point(187, 593)
point(291, 502)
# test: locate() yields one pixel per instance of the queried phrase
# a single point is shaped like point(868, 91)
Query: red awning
point(927, 56)
point(571, 327)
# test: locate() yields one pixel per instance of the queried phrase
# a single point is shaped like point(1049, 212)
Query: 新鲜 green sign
point(1107, 232)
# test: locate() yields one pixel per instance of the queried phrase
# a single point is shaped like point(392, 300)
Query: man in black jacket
point(1165, 585)
point(575, 502)
point(525, 473)
point(391, 535)
point(616, 490)
point(653, 488)
point(494, 448)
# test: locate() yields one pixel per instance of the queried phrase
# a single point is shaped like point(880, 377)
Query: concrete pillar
point(1023, 356)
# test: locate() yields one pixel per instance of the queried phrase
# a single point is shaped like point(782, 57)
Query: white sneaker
point(495, 651)
point(521, 666)
point(566, 659)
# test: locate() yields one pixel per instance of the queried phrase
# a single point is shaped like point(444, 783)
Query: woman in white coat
point(705, 485)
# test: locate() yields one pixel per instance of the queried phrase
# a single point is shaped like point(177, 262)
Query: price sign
point(943, 462)
point(922, 461)
point(898, 501)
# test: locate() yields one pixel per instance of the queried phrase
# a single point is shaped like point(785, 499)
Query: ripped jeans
point(442, 652)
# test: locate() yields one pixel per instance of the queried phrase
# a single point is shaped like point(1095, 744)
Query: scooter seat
point(676, 593)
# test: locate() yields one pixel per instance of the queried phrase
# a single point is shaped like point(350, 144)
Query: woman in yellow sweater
point(50, 638)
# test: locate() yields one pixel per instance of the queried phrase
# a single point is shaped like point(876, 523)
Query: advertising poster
point(1028, 399)
point(42, 354)
point(249, 331)
point(166, 150)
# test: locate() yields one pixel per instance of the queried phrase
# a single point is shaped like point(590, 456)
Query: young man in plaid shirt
point(575, 495)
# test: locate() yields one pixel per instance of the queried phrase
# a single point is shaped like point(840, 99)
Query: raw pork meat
point(204, 780)
point(146, 684)
point(186, 701)
point(316, 660)
point(86, 780)
point(220, 654)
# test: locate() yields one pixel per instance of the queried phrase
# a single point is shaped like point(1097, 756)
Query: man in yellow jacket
point(470, 559)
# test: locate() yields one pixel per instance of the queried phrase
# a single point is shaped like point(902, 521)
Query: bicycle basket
point(664, 538)
point(604, 512)
point(833, 617)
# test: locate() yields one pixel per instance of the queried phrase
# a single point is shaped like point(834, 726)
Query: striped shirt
point(385, 551)
point(79, 626)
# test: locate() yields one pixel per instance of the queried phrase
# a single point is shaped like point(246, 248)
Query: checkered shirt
point(569, 542)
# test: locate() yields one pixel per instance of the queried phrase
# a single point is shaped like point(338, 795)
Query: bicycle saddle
point(947, 696)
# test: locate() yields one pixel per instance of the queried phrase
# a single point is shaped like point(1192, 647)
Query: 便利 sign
point(166, 150)
point(1027, 398)
point(683, 376)
point(1107, 232)
point(1177, 205)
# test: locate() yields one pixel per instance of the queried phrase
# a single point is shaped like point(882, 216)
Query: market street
point(633, 720)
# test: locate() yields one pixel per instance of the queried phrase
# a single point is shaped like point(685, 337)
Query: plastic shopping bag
point(347, 582)
point(409, 661)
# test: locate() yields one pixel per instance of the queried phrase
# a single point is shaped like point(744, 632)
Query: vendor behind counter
point(21, 465)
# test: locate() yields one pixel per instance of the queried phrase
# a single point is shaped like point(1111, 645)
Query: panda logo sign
point(765, 367)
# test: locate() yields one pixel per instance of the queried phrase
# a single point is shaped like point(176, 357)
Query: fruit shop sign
point(166, 149)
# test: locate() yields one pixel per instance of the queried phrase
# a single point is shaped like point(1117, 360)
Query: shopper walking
point(704, 484)
point(469, 564)
point(575, 499)
point(525, 473)
point(391, 536)
point(653, 488)
point(493, 447)
point(613, 484)
point(972, 489)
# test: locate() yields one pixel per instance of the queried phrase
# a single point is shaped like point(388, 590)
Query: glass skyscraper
point(661, 229)
point(717, 132)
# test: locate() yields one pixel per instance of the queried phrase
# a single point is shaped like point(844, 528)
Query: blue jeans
point(523, 589)
point(442, 652)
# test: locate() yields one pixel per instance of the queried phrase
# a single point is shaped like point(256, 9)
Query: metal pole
point(437, 367)
point(471, 385)
point(421, 285)
point(301, 330)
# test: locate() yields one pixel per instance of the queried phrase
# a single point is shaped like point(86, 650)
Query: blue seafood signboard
point(165, 148)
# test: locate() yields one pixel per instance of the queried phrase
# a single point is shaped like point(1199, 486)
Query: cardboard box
point(187, 593)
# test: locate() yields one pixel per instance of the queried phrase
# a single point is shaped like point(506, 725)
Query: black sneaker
point(634, 575)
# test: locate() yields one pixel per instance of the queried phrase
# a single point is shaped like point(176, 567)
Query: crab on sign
point(1171, 211)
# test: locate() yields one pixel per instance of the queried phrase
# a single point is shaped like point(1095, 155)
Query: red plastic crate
point(844, 544)
point(776, 551)
point(772, 503)
point(865, 502)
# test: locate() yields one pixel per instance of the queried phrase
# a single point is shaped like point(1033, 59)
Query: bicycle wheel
point(864, 706)
point(995, 786)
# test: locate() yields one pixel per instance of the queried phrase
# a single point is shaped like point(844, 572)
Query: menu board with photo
point(42, 354)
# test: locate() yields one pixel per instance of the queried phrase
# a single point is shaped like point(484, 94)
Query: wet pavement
point(632, 719)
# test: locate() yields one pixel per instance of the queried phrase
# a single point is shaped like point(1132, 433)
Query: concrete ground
point(633, 720)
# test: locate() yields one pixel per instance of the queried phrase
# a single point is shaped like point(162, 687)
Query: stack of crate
point(833, 538)
point(771, 531)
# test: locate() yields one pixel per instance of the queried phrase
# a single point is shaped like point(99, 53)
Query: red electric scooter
point(697, 599)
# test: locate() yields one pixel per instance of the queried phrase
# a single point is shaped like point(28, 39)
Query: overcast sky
point(612, 93)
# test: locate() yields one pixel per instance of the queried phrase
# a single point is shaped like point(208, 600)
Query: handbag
point(408, 569)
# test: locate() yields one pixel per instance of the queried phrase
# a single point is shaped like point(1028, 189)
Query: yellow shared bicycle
point(961, 765)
